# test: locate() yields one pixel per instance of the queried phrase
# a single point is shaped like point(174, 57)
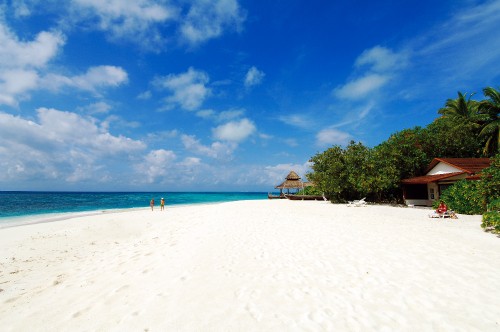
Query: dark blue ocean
point(15, 205)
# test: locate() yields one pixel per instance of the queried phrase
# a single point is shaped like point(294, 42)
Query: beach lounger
point(360, 202)
point(447, 214)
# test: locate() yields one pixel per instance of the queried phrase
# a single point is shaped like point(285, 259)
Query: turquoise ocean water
point(21, 207)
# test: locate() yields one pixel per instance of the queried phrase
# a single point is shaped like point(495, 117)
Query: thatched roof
point(292, 176)
point(292, 181)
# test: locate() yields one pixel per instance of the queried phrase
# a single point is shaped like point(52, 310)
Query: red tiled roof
point(469, 165)
point(430, 178)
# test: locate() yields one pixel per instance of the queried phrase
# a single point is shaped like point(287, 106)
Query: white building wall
point(433, 191)
point(443, 168)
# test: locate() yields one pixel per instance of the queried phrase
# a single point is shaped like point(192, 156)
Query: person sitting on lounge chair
point(442, 208)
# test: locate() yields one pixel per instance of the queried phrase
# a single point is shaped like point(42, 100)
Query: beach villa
point(441, 173)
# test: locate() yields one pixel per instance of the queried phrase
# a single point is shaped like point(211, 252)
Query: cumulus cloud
point(207, 19)
point(24, 68)
point(217, 150)
point(132, 20)
point(188, 89)
point(58, 145)
point(151, 24)
point(156, 165)
point(253, 77)
point(331, 136)
point(21, 62)
point(15, 53)
point(234, 131)
point(190, 162)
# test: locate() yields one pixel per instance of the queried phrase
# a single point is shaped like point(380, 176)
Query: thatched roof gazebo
point(292, 181)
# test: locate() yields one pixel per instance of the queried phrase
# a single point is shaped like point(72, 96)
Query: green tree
point(404, 150)
point(490, 109)
point(357, 171)
point(463, 108)
point(490, 182)
point(451, 137)
point(386, 176)
point(329, 172)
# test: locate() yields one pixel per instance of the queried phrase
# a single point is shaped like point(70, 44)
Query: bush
point(491, 219)
point(464, 197)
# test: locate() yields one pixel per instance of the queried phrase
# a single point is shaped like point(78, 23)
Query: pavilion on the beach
point(292, 182)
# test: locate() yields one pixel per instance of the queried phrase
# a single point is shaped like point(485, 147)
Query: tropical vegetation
point(466, 128)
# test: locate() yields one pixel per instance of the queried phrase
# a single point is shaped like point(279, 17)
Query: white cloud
point(234, 131)
point(100, 76)
point(188, 89)
point(72, 128)
point(21, 62)
point(162, 135)
point(23, 68)
point(217, 150)
point(464, 48)
point(297, 120)
point(190, 162)
point(331, 136)
point(150, 24)
point(258, 176)
point(362, 87)
point(381, 59)
point(93, 80)
point(208, 19)
point(156, 165)
point(378, 65)
point(132, 20)
point(277, 173)
point(20, 9)
point(96, 108)
point(291, 142)
point(15, 82)
point(15, 53)
point(206, 113)
point(146, 95)
point(221, 116)
point(254, 77)
point(58, 145)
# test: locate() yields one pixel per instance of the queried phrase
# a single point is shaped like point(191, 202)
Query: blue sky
point(182, 95)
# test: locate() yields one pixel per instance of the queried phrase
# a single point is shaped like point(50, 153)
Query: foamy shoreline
point(17, 221)
point(251, 266)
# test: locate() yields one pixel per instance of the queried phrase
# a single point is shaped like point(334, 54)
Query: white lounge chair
point(357, 203)
point(447, 214)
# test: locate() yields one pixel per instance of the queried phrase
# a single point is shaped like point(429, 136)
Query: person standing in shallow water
point(152, 203)
point(162, 204)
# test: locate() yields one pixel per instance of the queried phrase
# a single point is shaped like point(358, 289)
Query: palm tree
point(462, 108)
point(490, 109)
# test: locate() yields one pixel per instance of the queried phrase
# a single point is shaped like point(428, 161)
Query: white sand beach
point(270, 265)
